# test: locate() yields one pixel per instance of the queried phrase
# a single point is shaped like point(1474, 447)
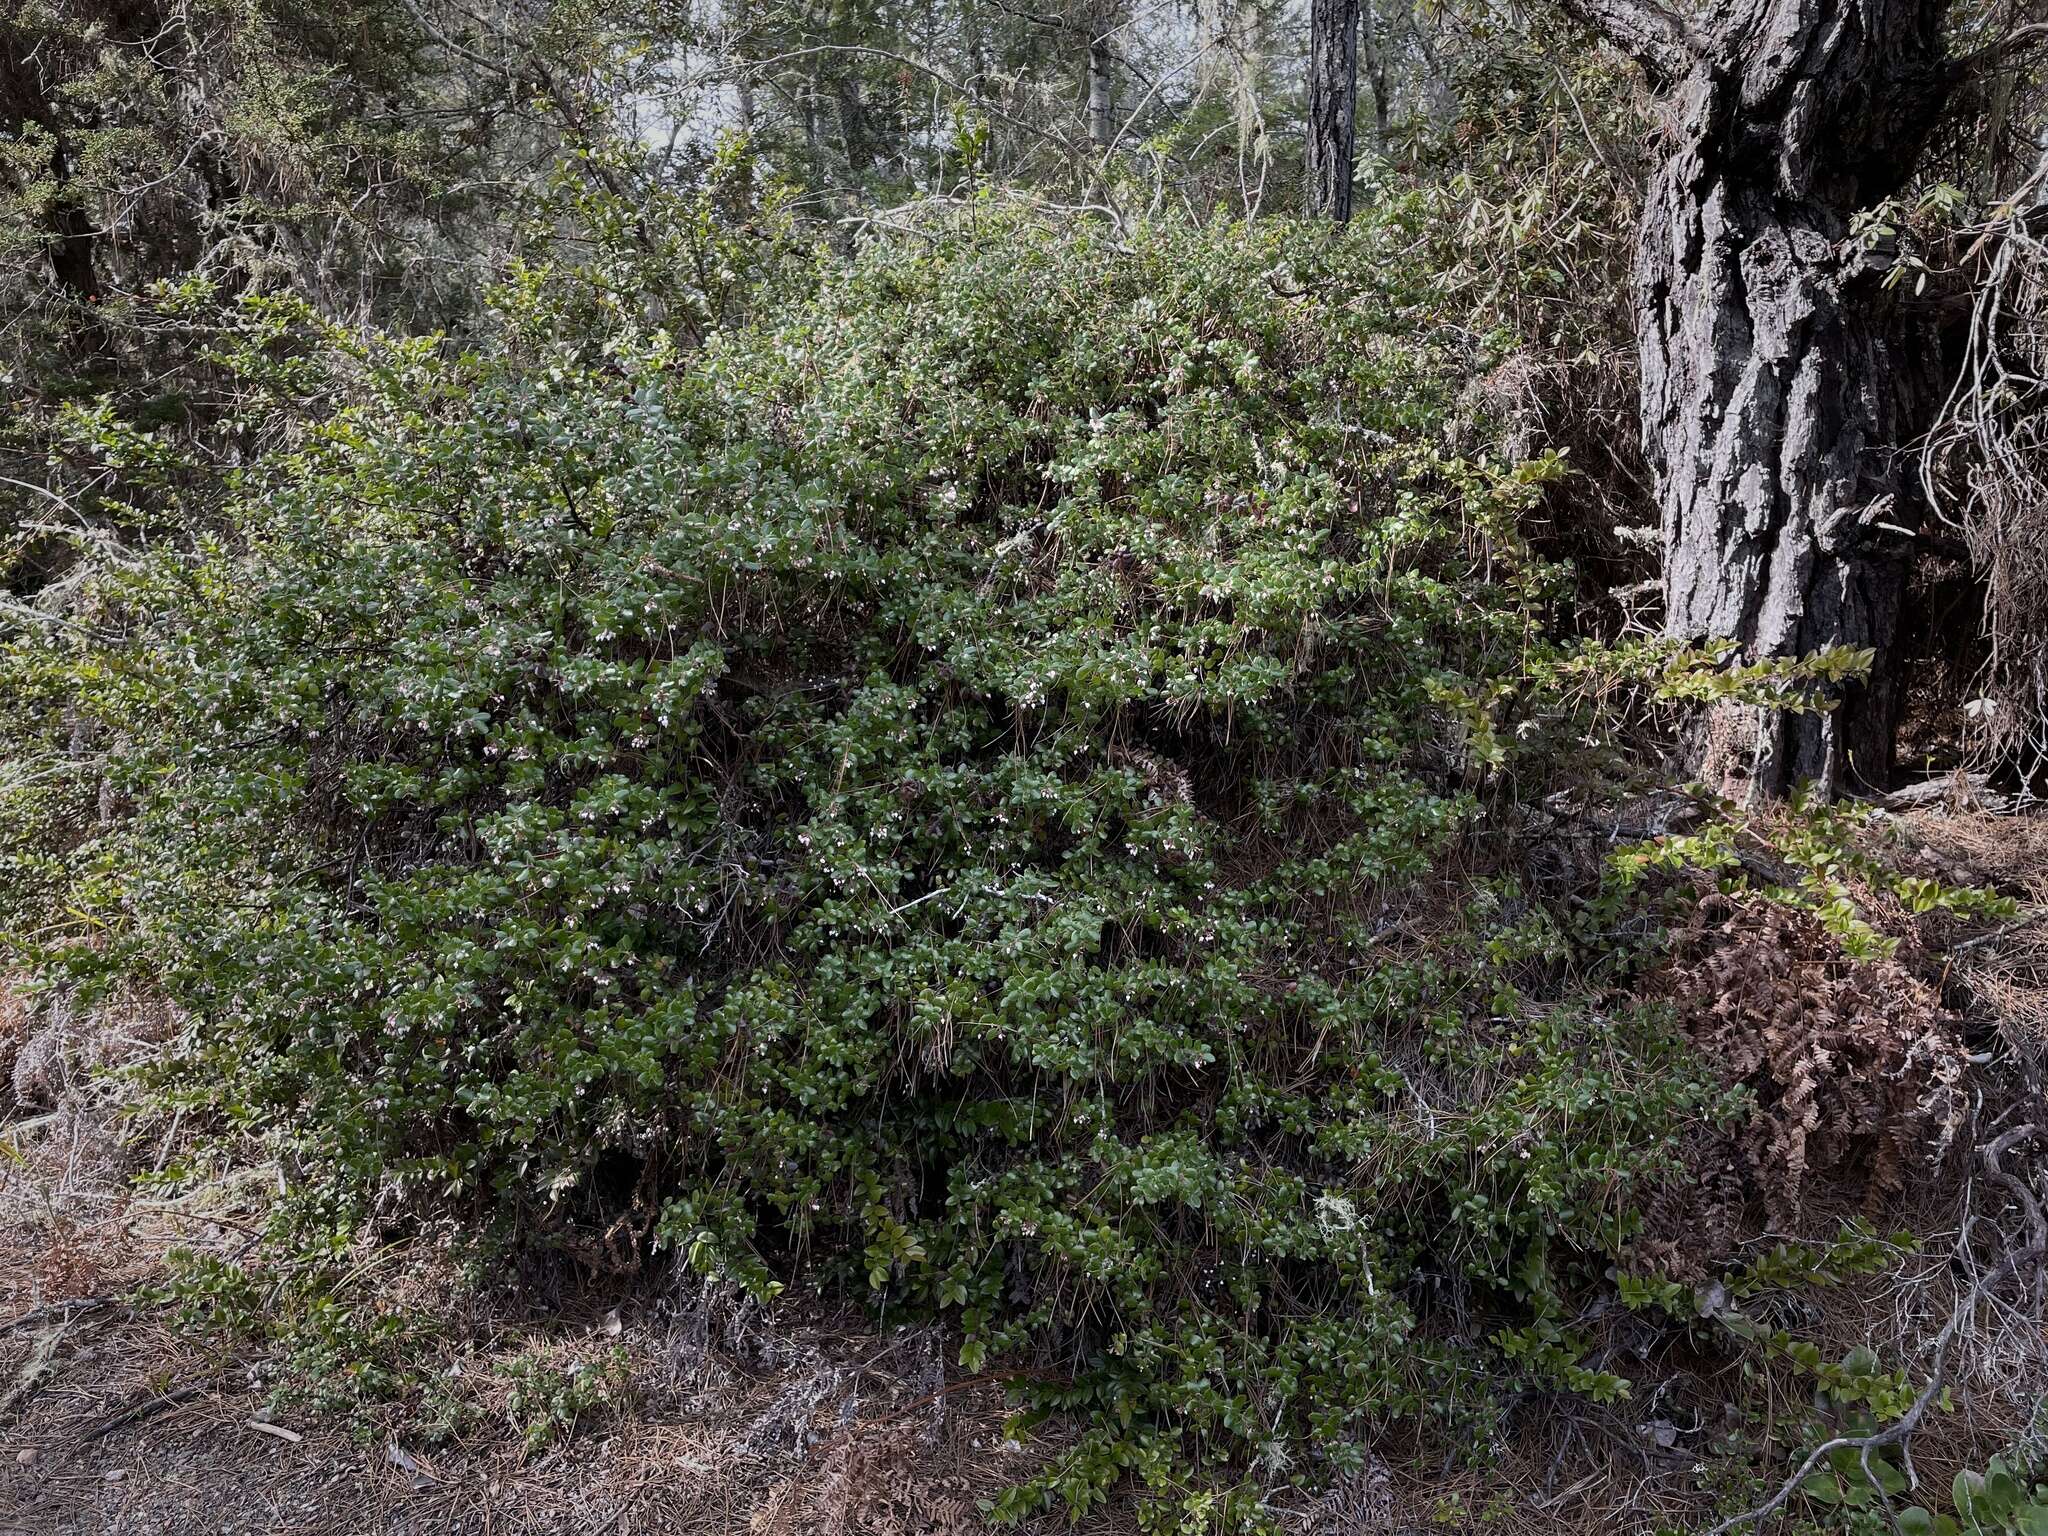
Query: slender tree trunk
point(1101, 94)
point(1781, 378)
point(70, 244)
point(1372, 56)
point(855, 142)
point(1332, 106)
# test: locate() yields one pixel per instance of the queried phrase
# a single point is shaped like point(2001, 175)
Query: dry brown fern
point(1854, 1068)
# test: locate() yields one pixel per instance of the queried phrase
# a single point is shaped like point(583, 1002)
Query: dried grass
point(1985, 468)
point(1583, 407)
point(63, 1049)
point(14, 1031)
point(2004, 972)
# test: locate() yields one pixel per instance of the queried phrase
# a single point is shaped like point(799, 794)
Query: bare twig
point(77, 1306)
point(1993, 54)
point(1898, 1433)
point(147, 1408)
point(2024, 1197)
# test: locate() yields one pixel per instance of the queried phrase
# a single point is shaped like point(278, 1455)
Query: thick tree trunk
point(1781, 378)
point(1332, 106)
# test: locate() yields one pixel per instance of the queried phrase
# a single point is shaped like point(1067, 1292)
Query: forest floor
point(112, 1421)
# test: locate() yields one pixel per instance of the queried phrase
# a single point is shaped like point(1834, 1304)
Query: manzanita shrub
point(988, 785)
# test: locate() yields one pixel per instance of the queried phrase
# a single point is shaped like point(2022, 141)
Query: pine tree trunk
point(1332, 106)
point(1782, 378)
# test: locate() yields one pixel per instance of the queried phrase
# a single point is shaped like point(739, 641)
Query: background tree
point(1332, 106)
point(376, 160)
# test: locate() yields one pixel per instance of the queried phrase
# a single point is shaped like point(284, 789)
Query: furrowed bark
point(1332, 106)
point(1781, 378)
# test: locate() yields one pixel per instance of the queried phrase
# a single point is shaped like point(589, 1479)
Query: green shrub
point(988, 786)
point(1857, 1489)
point(544, 1399)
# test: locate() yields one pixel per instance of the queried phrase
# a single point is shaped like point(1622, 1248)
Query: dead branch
point(1900, 1432)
